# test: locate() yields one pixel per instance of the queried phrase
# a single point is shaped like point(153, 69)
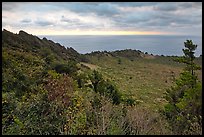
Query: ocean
point(153, 44)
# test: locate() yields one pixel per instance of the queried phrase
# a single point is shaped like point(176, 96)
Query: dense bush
point(68, 67)
point(104, 87)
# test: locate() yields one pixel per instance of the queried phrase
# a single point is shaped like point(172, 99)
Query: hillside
point(48, 89)
point(25, 42)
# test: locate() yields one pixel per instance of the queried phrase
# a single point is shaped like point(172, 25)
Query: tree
point(184, 107)
point(188, 59)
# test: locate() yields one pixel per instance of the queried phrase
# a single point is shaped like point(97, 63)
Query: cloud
point(9, 6)
point(106, 9)
point(69, 20)
point(43, 23)
point(185, 5)
point(166, 6)
point(26, 21)
point(134, 4)
point(180, 17)
point(100, 9)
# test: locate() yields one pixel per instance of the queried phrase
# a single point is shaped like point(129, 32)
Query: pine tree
point(184, 107)
point(188, 59)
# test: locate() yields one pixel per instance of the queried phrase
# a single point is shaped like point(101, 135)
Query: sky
point(103, 18)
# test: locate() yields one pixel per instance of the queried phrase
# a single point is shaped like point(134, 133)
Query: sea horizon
point(167, 45)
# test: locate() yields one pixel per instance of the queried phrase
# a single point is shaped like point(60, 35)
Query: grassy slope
point(144, 79)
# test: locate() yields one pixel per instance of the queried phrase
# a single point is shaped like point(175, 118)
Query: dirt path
point(91, 66)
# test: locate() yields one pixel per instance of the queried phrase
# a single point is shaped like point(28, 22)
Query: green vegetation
point(48, 89)
point(184, 107)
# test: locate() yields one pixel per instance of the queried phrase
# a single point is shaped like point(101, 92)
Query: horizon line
point(100, 33)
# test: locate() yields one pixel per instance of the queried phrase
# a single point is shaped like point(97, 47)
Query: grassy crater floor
point(145, 79)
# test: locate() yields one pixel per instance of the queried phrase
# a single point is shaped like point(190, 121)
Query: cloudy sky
point(103, 18)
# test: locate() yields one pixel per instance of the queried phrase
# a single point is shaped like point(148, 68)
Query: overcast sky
point(173, 18)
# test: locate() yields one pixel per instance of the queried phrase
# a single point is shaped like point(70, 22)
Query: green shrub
point(104, 87)
point(68, 67)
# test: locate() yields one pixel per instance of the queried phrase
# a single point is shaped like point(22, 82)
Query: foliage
point(46, 92)
point(67, 68)
point(184, 107)
point(104, 87)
